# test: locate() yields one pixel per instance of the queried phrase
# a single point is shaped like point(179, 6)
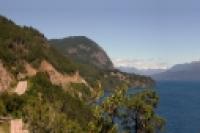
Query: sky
point(139, 33)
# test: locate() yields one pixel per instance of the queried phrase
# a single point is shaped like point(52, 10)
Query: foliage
point(80, 88)
point(19, 44)
point(25, 44)
point(139, 114)
point(91, 69)
point(48, 108)
point(83, 50)
point(42, 117)
point(11, 104)
point(72, 107)
point(135, 113)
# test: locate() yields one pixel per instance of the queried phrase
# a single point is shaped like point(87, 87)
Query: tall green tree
point(43, 118)
point(135, 113)
point(139, 114)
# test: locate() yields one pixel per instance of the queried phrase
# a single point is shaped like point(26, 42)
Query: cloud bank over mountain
point(140, 63)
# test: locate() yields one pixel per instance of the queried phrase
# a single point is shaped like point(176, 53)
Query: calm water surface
point(180, 105)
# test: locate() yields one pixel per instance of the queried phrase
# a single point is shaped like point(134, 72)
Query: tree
point(140, 115)
point(135, 112)
point(43, 118)
point(105, 112)
point(47, 108)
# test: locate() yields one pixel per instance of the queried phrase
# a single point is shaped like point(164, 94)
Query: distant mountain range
point(179, 72)
point(141, 71)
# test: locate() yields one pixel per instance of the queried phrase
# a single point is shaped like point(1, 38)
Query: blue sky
point(141, 33)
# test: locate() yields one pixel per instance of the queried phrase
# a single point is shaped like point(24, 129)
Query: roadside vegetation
point(49, 108)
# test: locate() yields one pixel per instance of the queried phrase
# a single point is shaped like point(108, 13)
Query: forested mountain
point(94, 62)
point(25, 51)
point(54, 92)
point(83, 50)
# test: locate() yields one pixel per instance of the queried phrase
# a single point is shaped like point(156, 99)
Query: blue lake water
point(180, 105)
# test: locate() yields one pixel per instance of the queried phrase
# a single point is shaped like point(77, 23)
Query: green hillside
point(83, 50)
point(20, 44)
point(49, 106)
point(96, 68)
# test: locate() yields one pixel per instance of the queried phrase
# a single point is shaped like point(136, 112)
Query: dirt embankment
point(30, 71)
point(59, 78)
point(21, 87)
point(56, 77)
point(5, 78)
point(17, 126)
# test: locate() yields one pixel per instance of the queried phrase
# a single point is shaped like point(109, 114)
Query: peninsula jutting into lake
point(73, 66)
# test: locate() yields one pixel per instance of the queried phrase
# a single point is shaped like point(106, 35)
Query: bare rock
point(5, 78)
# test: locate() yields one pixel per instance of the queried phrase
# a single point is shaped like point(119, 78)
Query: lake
point(180, 106)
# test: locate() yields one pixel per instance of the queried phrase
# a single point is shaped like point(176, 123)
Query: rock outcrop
point(59, 78)
point(21, 87)
point(17, 126)
point(30, 71)
point(5, 78)
point(84, 50)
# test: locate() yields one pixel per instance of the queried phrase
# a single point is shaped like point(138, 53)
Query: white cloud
point(140, 63)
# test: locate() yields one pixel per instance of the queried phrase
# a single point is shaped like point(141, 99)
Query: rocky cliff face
point(5, 78)
point(25, 51)
point(58, 78)
point(83, 50)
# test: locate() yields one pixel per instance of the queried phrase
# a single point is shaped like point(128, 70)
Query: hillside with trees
point(83, 50)
point(94, 62)
point(61, 94)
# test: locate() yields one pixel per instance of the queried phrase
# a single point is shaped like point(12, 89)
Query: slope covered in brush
point(61, 93)
point(24, 44)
